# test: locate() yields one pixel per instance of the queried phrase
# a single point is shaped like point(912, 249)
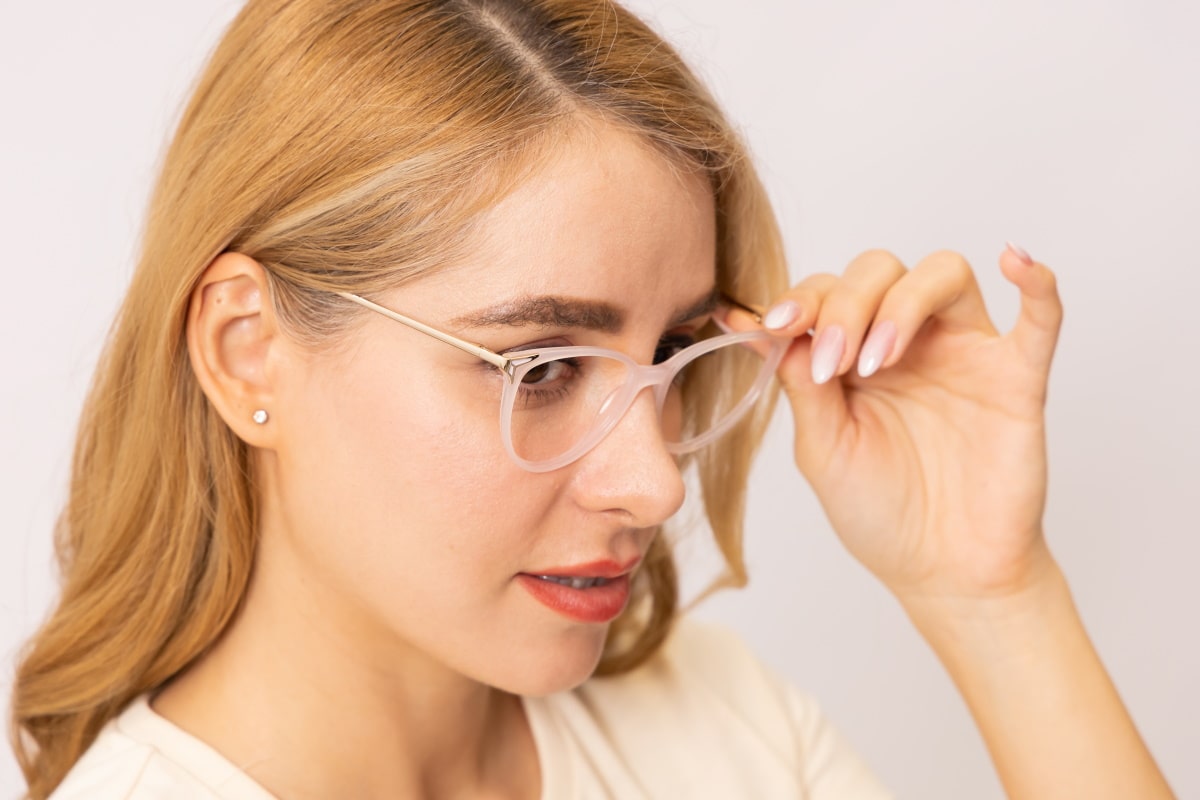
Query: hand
point(932, 470)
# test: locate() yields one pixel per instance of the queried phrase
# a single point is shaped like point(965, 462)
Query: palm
point(928, 439)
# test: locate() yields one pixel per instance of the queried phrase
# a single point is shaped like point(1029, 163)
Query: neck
point(317, 703)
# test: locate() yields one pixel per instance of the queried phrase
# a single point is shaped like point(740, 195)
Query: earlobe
point(230, 331)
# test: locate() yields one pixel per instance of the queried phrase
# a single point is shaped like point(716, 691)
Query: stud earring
point(261, 416)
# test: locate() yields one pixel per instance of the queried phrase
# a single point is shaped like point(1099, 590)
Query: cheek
point(406, 512)
point(406, 486)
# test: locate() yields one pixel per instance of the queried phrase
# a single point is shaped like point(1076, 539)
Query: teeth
point(575, 583)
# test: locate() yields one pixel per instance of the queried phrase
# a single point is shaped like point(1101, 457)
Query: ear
point(231, 329)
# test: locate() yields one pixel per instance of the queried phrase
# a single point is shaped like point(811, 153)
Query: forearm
point(1047, 709)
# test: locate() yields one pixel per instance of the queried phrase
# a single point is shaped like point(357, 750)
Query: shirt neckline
point(204, 763)
point(194, 755)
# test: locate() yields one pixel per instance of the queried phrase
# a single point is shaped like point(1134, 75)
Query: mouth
point(593, 593)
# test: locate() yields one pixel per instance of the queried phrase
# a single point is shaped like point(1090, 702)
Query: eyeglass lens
point(560, 403)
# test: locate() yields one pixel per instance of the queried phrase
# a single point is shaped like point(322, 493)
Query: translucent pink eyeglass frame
point(514, 367)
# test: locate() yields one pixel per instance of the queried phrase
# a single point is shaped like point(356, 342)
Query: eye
point(550, 383)
point(670, 346)
point(549, 372)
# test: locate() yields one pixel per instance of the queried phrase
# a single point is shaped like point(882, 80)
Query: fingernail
point(877, 349)
point(1020, 253)
point(781, 315)
point(828, 353)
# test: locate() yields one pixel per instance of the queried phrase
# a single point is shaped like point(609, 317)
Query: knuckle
point(874, 262)
point(1051, 280)
point(953, 263)
point(875, 268)
point(877, 255)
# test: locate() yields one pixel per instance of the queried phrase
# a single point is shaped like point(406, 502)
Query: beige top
point(703, 719)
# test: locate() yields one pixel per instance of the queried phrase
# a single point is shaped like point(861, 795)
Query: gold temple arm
point(503, 363)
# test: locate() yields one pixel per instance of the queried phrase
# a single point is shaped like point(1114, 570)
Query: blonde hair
point(345, 145)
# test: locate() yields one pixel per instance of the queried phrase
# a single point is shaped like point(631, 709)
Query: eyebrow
point(550, 311)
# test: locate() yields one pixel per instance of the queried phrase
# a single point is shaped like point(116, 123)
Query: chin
point(558, 665)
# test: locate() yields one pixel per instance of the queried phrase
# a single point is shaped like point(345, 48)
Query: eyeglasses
point(560, 402)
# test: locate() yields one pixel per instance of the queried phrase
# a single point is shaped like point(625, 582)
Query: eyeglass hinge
point(510, 365)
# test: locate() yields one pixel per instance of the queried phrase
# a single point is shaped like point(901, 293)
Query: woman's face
point(391, 489)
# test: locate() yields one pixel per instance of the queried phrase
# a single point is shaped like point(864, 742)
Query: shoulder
point(117, 767)
point(705, 716)
point(702, 667)
point(141, 756)
point(706, 674)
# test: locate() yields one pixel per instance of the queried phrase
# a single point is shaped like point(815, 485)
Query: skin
point(393, 522)
point(932, 471)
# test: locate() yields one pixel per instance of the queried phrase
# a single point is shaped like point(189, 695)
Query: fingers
point(875, 309)
point(848, 310)
point(791, 315)
point(1035, 334)
point(795, 312)
point(819, 410)
point(942, 287)
point(872, 313)
point(871, 316)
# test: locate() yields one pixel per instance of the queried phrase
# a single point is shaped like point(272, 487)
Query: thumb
point(819, 411)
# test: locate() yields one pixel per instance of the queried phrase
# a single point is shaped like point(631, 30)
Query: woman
point(438, 303)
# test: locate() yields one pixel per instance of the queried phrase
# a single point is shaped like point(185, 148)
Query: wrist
point(995, 616)
point(1047, 709)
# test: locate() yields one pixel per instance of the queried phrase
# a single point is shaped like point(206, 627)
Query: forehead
point(602, 216)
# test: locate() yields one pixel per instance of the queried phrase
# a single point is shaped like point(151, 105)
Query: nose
point(630, 471)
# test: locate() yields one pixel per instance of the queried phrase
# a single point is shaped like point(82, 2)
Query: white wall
point(1071, 128)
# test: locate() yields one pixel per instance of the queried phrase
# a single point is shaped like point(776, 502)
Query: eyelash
point(681, 341)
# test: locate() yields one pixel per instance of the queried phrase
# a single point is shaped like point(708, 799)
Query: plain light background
point(1071, 128)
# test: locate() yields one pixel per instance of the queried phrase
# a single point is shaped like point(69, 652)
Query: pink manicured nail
point(781, 315)
point(1020, 253)
point(828, 353)
point(877, 348)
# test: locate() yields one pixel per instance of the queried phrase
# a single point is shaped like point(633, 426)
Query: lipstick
point(595, 592)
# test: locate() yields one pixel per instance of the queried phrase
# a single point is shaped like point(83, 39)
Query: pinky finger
point(1036, 332)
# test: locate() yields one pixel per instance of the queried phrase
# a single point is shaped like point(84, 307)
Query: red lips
point(594, 604)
